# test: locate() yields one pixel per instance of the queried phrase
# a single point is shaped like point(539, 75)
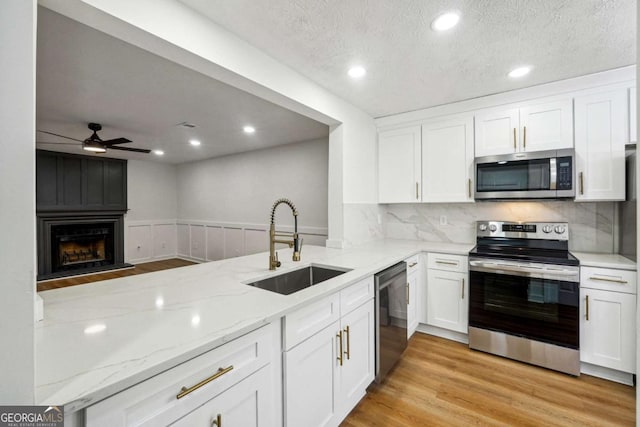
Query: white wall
point(17, 192)
point(151, 191)
point(242, 188)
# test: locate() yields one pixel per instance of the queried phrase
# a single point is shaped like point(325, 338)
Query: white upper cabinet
point(447, 160)
point(601, 133)
point(399, 170)
point(497, 132)
point(535, 127)
point(633, 134)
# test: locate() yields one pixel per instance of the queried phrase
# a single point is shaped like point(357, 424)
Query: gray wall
point(241, 188)
point(151, 191)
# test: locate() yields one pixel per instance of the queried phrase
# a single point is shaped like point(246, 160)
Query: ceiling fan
point(94, 143)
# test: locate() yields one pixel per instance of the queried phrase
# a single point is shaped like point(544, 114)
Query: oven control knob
point(493, 227)
point(547, 229)
point(483, 227)
point(559, 229)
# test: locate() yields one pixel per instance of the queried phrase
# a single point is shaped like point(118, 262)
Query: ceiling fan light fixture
point(93, 147)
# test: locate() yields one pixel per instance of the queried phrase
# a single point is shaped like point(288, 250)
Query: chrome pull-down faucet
point(278, 237)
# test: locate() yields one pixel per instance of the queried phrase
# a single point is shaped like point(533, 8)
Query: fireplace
point(71, 245)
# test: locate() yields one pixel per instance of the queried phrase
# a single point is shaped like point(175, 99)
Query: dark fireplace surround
point(79, 244)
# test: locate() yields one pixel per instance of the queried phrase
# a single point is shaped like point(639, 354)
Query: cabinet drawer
point(447, 262)
point(301, 324)
point(413, 264)
point(608, 279)
point(356, 294)
point(155, 402)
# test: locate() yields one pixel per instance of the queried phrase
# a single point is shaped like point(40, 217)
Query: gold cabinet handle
point(587, 313)
point(186, 390)
point(417, 192)
point(524, 137)
point(407, 293)
point(463, 288)
point(339, 336)
point(413, 264)
point(606, 279)
point(581, 183)
point(446, 262)
point(348, 352)
point(218, 421)
point(514, 138)
point(469, 189)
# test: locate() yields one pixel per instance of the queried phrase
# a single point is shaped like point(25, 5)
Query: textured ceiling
point(411, 67)
point(84, 76)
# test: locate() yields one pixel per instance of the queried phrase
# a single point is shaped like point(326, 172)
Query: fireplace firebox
point(70, 245)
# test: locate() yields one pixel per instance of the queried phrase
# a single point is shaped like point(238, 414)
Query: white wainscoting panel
point(184, 241)
point(215, 243)
point(139, 243)
point(164, 240)
point(198, 242)
point(233, 242)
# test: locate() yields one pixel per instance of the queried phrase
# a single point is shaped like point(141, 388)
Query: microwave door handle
point(553, 173)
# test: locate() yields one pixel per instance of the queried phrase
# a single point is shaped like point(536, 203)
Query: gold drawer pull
point(217, 422)
point(413, 264)
point(339, 358)
point(587, 308)
point(605, 279)
point(348, 352)
point(184, 390)
point(446, 262)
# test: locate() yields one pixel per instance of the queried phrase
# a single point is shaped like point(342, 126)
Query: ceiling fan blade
point(137, 150)
point(61, 136)
point(57, 143)
point(115, 141)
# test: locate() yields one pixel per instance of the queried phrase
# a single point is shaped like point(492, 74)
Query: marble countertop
point(592, 259)
point(98, 339)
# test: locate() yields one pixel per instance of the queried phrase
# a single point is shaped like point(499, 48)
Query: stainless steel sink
point(296, 280)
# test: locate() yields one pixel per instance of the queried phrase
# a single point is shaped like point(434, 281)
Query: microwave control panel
point(565, 173)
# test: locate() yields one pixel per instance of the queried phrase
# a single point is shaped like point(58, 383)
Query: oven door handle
point(521, 268)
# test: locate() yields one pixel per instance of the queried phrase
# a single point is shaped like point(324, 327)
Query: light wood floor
point(443, 383)
point(147, 267)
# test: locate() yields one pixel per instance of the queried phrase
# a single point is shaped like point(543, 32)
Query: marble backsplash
point(593, 227)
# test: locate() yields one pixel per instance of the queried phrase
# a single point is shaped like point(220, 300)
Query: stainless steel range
point(524, 294)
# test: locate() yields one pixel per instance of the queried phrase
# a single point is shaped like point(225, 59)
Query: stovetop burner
point(540, 242)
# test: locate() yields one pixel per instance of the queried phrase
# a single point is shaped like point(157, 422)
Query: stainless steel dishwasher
point(391, 317)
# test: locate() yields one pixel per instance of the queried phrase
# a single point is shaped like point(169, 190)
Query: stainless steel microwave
point(534, 175)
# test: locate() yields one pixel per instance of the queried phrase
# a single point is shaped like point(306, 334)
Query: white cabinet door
point(447, 160)
point(246, 404)
point(633, 119)
point(496, 132)
point(310, 380)
point(447, 300)
point(358, 357)
point(412, 303)
point(547, 126)
point(607, 329)
point(600, 133)
point(399, 170)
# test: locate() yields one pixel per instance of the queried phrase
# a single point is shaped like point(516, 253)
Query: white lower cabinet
point(243, 405)
point(608, 318)
point(236, 380)
point(448, 292)
point(327, 374)
point(413, 280)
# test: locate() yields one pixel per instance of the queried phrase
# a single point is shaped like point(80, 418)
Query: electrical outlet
point(443, 220)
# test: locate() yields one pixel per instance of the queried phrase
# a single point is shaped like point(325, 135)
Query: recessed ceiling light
point(445, 21)
point(519, 72)
point(194, 142)
point(94, 329)
point(158, 152)
point(357, 72)
point(249, 129)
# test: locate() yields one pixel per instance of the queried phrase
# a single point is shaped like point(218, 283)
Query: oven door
point(533, 301)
